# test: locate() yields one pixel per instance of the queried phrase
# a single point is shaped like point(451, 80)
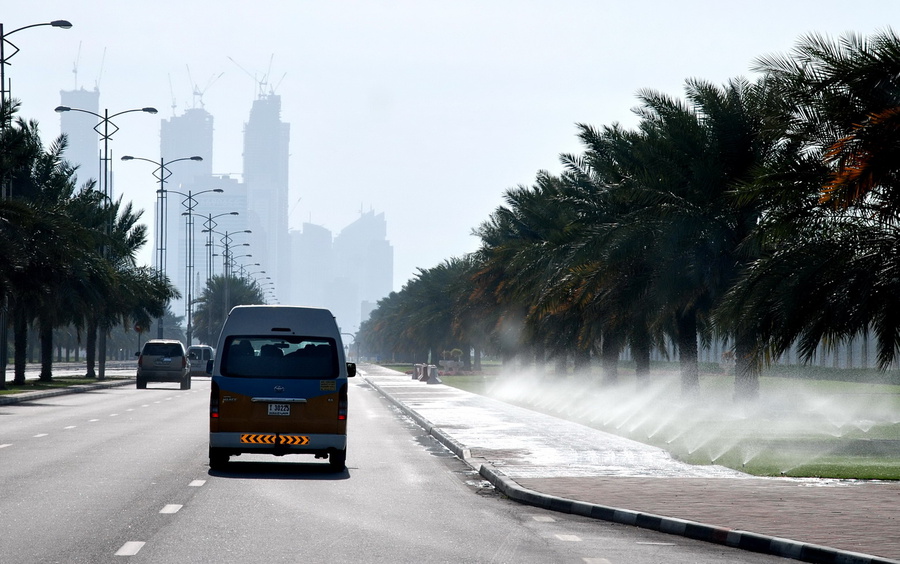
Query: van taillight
point(342, 403)
point(214, 401)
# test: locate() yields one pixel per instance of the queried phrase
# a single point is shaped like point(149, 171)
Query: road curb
point(80, 388)
point(744, 540)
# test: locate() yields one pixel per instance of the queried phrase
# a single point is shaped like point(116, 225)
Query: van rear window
point(250, 356)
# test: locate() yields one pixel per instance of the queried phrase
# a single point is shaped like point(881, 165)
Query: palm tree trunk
point(46, 338)
point(582, 359)
point(20, 344)
point(609, 359)
point(90, 345)
point(686, 325)
point(640, 350)
point(746, 371)
point(101, 353)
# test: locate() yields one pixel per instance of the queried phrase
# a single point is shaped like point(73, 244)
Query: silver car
point(163, 360)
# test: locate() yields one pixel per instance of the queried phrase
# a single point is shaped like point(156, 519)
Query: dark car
point(163, 360)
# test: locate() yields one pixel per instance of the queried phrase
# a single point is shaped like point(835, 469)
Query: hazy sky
point(423, 110)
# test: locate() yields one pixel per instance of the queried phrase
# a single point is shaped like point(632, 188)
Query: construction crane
point(261, 83)
point(197, 91)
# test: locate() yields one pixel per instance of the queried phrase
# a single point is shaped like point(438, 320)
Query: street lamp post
point(5, 88)
point(226, 259)
point(162, 173)
point(190, 203)
point(6, 191)
point(209, 226)
point(106, 135)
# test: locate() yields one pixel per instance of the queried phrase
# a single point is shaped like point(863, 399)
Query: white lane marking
point(39, 435)
point(596, 561)
point(656, 543)
point(130, 548)
point(197, 483)
point(543, 518)
point(6, 445)
point(69, 427)
point(129, 409)
point(171, 508)
point(92, 420)
point(113, 414)
point(146, 405)
point(569, 538)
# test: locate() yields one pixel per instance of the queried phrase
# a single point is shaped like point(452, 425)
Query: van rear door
point(280, 385)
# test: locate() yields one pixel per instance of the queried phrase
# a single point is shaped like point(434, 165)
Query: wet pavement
point(553, 463)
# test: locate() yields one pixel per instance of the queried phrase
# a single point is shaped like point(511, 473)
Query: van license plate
point(279, 409)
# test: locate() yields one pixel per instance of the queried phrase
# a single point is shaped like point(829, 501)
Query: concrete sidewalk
point(556, 464)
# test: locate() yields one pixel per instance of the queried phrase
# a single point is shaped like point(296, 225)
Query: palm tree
point(829, 270)
point(218, 297)
point(52, 246)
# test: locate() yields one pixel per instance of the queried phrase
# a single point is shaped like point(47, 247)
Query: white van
point(200, 355)
point(279, 385)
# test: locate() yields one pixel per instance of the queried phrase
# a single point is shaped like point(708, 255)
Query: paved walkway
point(548, 462)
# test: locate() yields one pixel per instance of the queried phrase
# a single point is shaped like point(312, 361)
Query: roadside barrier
point(431, 375)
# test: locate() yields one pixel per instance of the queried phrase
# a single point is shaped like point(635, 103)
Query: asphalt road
point(121, 475)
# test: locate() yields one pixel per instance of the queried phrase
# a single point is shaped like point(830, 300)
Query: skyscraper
point(348, 273)
point(266, 153)
point(180, 137)
point(83, 149)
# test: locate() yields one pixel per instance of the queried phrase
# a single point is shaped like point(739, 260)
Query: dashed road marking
point(113, 414)
point(146, 405)
point(39, 435)
point(93, 420)
point(6, 445)
point(543, 518)
point(596, 561)
point(69, 427)
point(171, 508)
point(656, 543)
point(197, 483)
point(130, 548)
point(569, 538)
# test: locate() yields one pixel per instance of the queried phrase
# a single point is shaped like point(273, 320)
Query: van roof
point(285, 320)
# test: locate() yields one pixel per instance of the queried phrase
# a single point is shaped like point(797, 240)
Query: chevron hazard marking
point(293, 440)
point(258, 439)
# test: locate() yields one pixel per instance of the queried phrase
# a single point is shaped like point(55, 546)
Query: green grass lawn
point(807, 426)
point(33, 385)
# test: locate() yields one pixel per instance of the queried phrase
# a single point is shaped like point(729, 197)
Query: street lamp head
point(195, 157)
point(219, 191)
point(149, 110)
point(62, 109)
point(124, 157)
point(65, 24)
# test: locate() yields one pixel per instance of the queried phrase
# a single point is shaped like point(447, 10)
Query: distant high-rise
point(83, 149)
point(348, 273)
point(266, 153)
point(311, 267)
